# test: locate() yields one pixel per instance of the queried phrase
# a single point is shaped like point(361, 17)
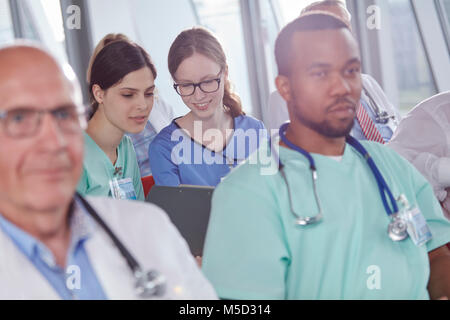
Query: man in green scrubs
point(255, 250)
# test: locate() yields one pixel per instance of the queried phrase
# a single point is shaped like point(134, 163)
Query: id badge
point(417, 227)
point(122, 189)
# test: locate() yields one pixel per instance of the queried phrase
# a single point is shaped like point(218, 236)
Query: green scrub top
point(98, 169)
point(254, 250)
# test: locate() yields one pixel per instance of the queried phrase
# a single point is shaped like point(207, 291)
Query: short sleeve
point(245, 242)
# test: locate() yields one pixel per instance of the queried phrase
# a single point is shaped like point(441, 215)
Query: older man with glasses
point(53, 243)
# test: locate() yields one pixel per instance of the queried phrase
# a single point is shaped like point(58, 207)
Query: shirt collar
point(81, 224)
point(287, 155)
point(23, 240)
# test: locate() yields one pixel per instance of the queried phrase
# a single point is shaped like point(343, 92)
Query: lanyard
point(382, 185)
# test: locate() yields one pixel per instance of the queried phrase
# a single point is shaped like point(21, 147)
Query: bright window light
point(52, 11)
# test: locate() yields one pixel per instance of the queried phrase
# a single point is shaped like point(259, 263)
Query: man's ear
point(98, 93)
point(284, 87)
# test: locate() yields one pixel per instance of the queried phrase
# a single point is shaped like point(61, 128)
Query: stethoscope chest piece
point(147, 284)
point(305, 221)
point(397, 229)
point(150, 284)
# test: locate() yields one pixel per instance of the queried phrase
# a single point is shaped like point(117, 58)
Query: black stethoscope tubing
point(131, 261)
point(149, 283)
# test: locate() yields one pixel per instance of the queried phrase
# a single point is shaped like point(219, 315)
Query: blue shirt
point(175, 158)
point(141, 142)
point(384, 130)
point(63, 281)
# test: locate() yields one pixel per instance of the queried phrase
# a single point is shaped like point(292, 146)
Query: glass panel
point(223, 17)
point(27, 21)
point(290, 9)
point(53, 22)
point(414, 78)
point(444, 9)
point(6, 26)
point(52, 10)
point(446, 5)
point(270, 24)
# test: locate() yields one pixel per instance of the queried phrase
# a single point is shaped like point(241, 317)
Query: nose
point(50, 135)
point(340, 86)
point(199, 94)
point(142, 103)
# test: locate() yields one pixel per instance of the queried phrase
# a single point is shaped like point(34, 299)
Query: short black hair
point(307, 22)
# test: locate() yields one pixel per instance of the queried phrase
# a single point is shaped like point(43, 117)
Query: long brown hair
point(114, 57)
point(204, 42)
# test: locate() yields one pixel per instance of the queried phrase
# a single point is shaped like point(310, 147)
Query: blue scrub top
point(175, 158)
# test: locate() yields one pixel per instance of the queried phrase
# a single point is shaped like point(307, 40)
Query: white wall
point(155, 24)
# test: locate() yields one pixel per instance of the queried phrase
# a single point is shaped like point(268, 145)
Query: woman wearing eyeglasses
point(121, 83)
point(201, 147)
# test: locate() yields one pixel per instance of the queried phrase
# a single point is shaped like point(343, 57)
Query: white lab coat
point(278, 112)
point(423, 137)
point(146, 232)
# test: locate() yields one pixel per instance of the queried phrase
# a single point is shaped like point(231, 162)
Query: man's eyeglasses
point(207, 86)
point(25, 122)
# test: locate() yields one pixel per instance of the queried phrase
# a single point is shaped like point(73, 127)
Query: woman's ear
point(98, 93)
point(225, 72)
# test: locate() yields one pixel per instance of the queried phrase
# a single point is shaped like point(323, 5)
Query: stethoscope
point(381, 117)
point(148, 284)
point(397, 228)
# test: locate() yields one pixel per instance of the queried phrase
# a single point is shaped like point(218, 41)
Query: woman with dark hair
point(201, 147)
point(121, 79)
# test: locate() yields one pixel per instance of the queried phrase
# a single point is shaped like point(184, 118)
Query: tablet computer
point(188, 207)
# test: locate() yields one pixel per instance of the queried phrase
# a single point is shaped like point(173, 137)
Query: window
point(47, 17)
point(444, 12)
point(6, 26)
point(35, 20)
point(414, 79)
point(52, 10)
point(290, 9)
point(223, 17)
point(446, 7)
